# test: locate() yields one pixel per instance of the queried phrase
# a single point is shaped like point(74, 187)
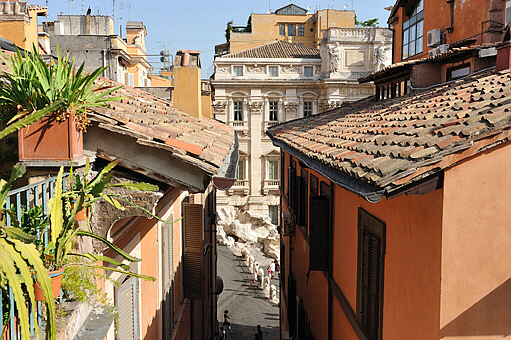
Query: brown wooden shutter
point(289, 186)
point(370, 281)
point(319, 234)
point(291, 305)
point(193, 248)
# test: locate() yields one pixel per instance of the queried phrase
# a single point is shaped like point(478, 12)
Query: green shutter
point(319, 234)
point(193, 251)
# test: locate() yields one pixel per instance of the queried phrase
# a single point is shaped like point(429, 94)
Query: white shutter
point(168, 279)
point(128, 310)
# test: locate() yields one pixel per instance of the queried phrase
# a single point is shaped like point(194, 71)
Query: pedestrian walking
point(256, 270)
point(269, 272)
point(272, 268)
point(227, 322)
point(223, 334)
point(259, 333)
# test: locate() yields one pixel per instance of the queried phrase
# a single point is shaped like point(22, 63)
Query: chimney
point(503, 56)
point(187, 82)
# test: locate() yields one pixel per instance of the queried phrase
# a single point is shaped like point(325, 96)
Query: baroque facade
point(277, 82)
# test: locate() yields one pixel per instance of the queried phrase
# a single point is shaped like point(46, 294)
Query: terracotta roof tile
point(277, 49)
point(394, 142)
point(171, 130)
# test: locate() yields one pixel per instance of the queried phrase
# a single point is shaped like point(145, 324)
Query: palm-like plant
point(33, 84)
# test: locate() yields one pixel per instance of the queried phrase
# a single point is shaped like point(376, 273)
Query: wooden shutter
point(128, 310)
point(193, 248)
point(289, 186)
point(370, 277)
point(168, 279)
point(291, 305)
point(302, 207)
point(319, 246)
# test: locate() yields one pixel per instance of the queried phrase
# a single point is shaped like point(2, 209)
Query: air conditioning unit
point(442, 48)
point(433, 52)
point(434, 37)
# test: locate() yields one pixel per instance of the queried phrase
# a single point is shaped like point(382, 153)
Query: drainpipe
point(103, 60)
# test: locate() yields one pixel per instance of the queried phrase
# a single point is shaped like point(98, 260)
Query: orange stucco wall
point(150, 306)
point(437, 15)
point(411, 302)
point(476, 256)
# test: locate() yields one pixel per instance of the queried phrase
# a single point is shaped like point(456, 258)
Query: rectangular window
point(307, 108)
point(273, 213)
point(303, 202)
point(240, 170)
point(458, 72)
point(282, 29)
point(291, 29)
point(238, 111)
point(273, 71)
point(238, 71)
point(273, 169)
point(301, 30)
point(273, 111)
point(413, 31)
point(371, 255)
point(308, 71)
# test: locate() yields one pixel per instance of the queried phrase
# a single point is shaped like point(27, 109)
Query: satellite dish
point(345, 7)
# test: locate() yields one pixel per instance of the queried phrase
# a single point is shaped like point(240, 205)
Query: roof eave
point(367, 191)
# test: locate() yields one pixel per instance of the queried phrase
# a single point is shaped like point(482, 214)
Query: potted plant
point(32, 85)
point(64, 230)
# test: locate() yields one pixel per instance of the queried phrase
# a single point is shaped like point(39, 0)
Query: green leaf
point(31, 255)
point(8, 267)
point(32, 118)
point(109, 244)
point(18, 234)
point(113, 202)
point(141, 276)
point(96, 258)
point(140, 186)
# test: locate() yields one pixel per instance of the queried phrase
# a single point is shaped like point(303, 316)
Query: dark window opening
point(371, 254)
point(291, 29)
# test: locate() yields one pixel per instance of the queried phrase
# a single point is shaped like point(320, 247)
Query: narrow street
point(247, 305)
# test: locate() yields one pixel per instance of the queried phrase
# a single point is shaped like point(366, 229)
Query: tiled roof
point(392, 143)
point(204, 142)
point(277, 49)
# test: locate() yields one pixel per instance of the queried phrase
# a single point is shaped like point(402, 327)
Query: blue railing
point(27, 197)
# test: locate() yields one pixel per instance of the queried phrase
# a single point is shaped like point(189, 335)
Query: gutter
point(369, 192)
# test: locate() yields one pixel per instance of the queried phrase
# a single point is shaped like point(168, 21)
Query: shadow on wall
point(490, 316)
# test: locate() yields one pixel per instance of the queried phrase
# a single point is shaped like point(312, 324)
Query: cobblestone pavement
point(246, 302)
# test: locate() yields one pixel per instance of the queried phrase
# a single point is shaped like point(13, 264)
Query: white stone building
point(280, 81)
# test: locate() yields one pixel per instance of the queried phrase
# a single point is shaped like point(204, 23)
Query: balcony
point(269, 124)
point(24, 198)
point(240, 126)
point(240, 186)
point(270, 185)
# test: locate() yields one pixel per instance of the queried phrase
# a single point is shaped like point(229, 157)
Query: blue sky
point(197, 24)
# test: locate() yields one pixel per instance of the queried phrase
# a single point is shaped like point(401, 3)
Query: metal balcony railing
point(23, 199)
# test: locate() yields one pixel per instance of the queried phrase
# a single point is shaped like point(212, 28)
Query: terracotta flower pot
point(81, 214)
point(56, 278)
point(49, 139)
